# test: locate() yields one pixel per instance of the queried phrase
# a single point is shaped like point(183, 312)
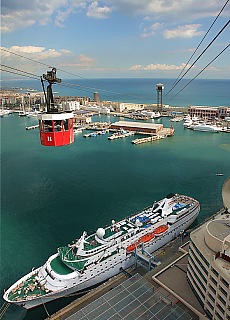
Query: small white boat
point(206, 128)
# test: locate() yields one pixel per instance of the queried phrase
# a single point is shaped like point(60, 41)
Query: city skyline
point(122, 38)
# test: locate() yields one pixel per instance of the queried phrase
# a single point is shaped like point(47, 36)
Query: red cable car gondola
point(56, 127)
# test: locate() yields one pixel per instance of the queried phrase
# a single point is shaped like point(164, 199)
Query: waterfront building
point(96, 109)
point(125, 106)
point(150, 128)
point(208, 269)
point(70, 105)
point(208, 112)
point(81, 119)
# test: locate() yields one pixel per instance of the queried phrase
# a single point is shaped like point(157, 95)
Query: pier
point(146, 139)
point(118, 135)
point(95, 133)
point(32, 127)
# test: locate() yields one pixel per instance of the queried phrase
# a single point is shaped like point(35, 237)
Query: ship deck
point(27, 290)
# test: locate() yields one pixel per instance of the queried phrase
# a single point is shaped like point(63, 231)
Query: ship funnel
point(226, 194)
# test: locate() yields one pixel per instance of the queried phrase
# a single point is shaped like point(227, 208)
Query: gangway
point(143, 257)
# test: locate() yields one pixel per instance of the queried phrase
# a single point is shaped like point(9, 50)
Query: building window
point(211, 297)
point(210, 305)
point(221, 299)
point(213, 280)
point(220, 308)
point(224, 282)
point(219, 316)
point(223, 291)
point(212, 289)
point(214, 271)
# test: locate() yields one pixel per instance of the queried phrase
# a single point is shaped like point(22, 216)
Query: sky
point(115, 38)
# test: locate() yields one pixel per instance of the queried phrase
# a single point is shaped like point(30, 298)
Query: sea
point(50, 195)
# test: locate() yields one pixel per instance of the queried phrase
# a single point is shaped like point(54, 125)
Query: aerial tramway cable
point(226, 24)
point(200, 71)
point(198, 46)
point(65, 84)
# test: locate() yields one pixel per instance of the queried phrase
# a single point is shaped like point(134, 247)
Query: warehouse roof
point(134, 124)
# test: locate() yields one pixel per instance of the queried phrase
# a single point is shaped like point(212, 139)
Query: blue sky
point(115, 38)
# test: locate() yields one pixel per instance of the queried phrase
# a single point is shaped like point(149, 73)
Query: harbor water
point(51, 195)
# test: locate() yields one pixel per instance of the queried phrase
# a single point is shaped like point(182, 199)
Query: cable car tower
point(56, 126)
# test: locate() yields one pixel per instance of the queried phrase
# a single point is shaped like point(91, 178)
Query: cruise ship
point(95, 257)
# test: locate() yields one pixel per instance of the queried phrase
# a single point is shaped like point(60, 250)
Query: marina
point(46, 174)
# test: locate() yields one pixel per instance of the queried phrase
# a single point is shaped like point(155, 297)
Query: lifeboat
point(131, 247)
point(147, 237)
point(161, 229)
point(143, 239)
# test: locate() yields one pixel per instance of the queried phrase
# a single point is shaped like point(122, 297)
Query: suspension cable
point(200, 71)
point(201, 41)
point(227, 23)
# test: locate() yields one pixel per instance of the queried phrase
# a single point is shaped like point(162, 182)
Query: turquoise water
point(51, 195)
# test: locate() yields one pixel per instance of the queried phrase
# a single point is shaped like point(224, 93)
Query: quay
point(118, 135)
point(146, 139)
point(95, 133)
point(32, 127)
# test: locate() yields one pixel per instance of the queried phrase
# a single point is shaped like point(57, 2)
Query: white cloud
point(31, 52)
point(95, 11)
point(150, 30)
point(186, 31)
point(170, 9)
point(82, 61)
point(27, 49)
point(22, 14)
point(162, 67)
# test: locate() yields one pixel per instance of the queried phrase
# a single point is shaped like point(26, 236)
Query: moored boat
point(206, 127)
point(97, 256)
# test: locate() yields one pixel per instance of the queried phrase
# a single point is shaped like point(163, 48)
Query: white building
point(70, 105)
point(208, 270)
point(96, 108)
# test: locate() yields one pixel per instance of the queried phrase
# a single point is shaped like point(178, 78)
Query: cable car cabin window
point(57, 125)
point(41, 125)
point(48, 127)
point(66, 127)
point(67, 124)
point(71, 123)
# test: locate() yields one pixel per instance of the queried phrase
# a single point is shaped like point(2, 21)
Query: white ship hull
point(101, 270)
point(206, 128)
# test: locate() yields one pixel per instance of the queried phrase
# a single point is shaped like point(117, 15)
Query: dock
point(32, 127)
point(118, 135)
point(146, 139)
point(95, 133)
